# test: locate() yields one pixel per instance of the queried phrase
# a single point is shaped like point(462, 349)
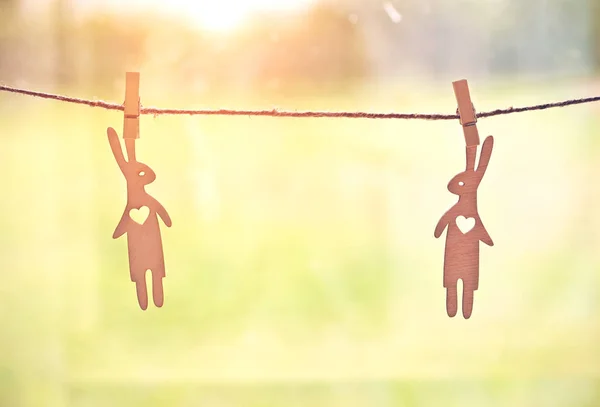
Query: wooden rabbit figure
point(461, 257)
point(143, 240)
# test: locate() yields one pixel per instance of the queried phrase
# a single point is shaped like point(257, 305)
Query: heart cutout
point(139, 215)
point(465, 224)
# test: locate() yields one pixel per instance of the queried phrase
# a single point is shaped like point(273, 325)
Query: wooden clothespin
point(131, 124)
point(466, 112)
point(131, 111)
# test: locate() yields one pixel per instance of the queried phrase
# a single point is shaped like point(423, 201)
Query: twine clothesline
point(287, 113)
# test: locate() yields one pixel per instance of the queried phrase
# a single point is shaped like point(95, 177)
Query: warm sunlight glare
point(227, 15)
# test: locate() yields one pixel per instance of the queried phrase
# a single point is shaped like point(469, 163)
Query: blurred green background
point(301, 266)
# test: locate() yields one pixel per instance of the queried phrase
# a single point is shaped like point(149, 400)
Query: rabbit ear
point(115, 145)
point(486, 154)
point(471, 153)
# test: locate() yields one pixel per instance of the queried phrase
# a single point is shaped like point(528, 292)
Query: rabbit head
point(140, 174)
point(467, 181)
point(464, 183)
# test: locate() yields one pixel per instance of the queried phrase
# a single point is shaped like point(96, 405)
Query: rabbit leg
point(157, 290)
point(451, 300)
point(467, 302)
point(142, 294)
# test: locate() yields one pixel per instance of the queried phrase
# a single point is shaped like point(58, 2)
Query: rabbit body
point(143, 240)
point(461, 255)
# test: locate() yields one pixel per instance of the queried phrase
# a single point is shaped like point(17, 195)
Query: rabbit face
point(464, 183)
point(142, 174)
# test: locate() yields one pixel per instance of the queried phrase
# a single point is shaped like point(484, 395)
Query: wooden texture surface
point(461, 257)
point(140, 218)
point(143, 237)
